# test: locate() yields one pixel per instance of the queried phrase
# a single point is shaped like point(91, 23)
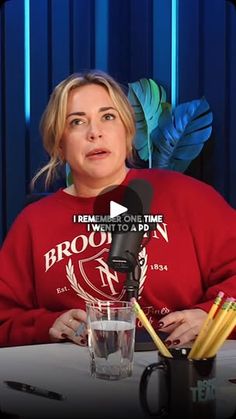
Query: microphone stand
point(131, 284)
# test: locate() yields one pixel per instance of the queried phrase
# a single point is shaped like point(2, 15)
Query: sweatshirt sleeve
point(22, 322)
point(214, 235)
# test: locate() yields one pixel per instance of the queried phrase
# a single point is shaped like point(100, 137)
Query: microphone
point(125, 246)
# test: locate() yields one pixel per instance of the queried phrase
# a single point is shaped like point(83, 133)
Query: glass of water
point(111, 335)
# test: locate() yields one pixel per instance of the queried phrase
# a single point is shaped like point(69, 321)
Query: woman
point(51, 266)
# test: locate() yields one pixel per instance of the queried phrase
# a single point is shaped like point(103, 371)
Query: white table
point(64, 368)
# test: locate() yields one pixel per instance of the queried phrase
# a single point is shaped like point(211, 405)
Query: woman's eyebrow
point(75, 113)
point(104, 108)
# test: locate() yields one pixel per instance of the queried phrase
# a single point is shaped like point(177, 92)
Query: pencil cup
point(185, 387)
point(111, 333)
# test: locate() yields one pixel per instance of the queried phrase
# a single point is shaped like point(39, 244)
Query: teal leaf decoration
point(181, 134)
point(69, 179)
point(146, 97)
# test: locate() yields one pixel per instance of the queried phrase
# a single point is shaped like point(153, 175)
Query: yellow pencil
point(222, 336)
point(206, 324)
point(214, 328)
point(227, 318)
point(142, 317)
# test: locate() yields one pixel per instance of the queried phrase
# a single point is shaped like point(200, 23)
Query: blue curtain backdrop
point(187, 46)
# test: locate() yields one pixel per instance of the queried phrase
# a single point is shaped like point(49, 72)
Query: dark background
point(129, 39)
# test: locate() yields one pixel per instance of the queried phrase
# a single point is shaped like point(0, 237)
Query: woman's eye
point(109, 116)
point(76, 122)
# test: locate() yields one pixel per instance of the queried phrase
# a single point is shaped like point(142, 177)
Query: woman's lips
point(98, 154)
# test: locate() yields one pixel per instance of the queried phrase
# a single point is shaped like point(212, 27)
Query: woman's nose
point(94, 131)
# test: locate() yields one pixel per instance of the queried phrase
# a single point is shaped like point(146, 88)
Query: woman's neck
point(94, 187)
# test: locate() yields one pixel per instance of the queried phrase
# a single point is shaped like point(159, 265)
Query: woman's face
point(94, 138)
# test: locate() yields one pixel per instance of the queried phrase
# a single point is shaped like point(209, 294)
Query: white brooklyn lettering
point(84, 244)
point(101, 239)
point(50, 259)
point(77, 245)
point(94, 239)
point(61, 251)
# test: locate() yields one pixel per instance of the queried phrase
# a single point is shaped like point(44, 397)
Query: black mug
point(186, 387)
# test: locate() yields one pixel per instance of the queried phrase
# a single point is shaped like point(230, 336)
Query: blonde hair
point(53, 120)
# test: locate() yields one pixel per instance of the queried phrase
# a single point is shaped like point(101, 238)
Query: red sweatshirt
point(48, 264)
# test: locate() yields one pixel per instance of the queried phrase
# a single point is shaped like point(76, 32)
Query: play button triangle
point(116, 209)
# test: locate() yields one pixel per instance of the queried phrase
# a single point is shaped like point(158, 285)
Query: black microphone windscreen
point(126, 245)
point(138, 196)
